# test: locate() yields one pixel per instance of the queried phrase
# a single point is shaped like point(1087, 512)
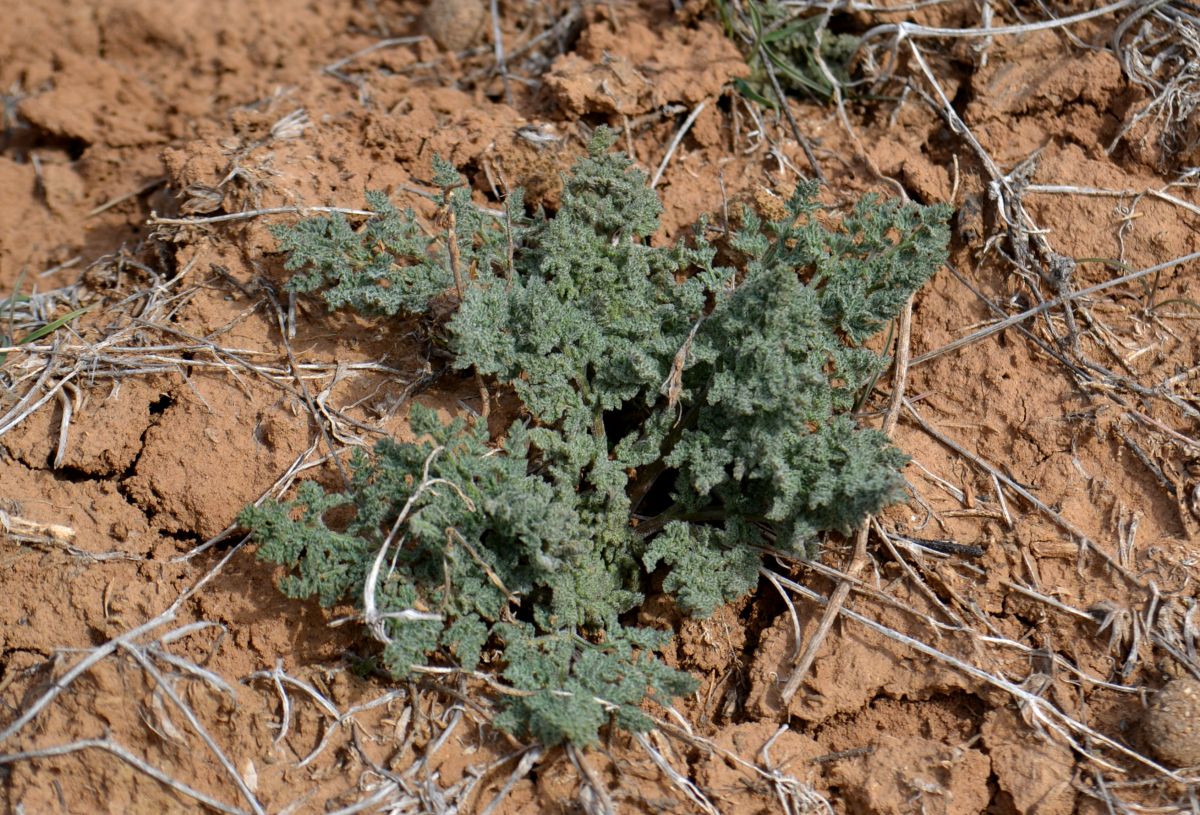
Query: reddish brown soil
point(169, 107)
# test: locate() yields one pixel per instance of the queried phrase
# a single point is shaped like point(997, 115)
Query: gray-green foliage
point(680, 414)
point(384, 269)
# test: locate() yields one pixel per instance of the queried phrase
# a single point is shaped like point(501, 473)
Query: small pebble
point(455, 25)
point(1171, 725)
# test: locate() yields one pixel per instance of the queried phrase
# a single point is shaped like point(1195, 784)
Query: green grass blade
point(51, 327)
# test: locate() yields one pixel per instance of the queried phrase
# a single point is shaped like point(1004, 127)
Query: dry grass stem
point(524, 765)
point(161, 682)
point(1080, 538)
point(906, 31)
point(498, 49)
point(681, 782)
point(334, 68)
point(1040, 711)
point(594, 795)
point(112, 747)
point(23, 529)
point(859, 557)
point(156, 220)
point(674, 145)
point(1050, 304)
point(152, 184)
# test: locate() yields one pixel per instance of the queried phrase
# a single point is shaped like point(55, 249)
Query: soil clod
point(1171, 726)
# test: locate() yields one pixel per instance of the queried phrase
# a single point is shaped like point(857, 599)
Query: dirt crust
point(1079, 492)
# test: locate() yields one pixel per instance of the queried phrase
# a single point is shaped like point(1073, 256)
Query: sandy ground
point(1079, 605)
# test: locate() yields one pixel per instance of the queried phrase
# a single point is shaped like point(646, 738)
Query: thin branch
point(100, 652)
point(187, 711)
point(906, 30)
point(155, 220)
point(335, 67)
point(679, 134)
point(787, 112)
point(1039, 708)
point(120, 752)
point(1080, 537)
point(996, 328)
point(498, 48)
point(859, 559)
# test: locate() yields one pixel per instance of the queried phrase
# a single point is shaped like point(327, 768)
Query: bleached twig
point(110, 746)
point(679, 134)
point(156, 220)
point(1077, 294)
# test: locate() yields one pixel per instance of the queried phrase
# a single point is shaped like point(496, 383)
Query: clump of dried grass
point(1158, 46)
